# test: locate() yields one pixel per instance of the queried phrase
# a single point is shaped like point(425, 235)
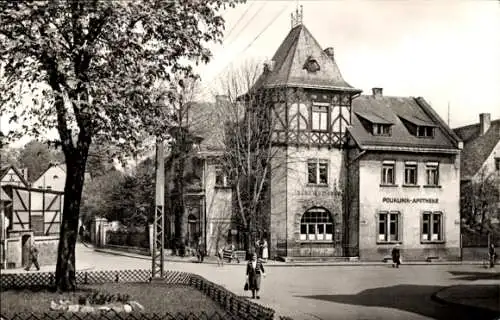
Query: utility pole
point(158, 224)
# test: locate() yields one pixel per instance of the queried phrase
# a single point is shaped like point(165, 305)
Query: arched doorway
point(192, 230)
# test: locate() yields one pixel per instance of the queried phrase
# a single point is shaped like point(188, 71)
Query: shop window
point(388, 173)
point(432, 173)
point(317, 172)
point(319, 118)
point(410, 173)
point(389, 226)
point(220, 177)
point(432, 226)
point(316, 225)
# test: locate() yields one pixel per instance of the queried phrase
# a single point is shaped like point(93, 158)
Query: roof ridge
point(294, 46)
point(476, 124)
point(431, 113)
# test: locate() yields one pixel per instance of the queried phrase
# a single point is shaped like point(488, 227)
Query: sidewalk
point(483, 294)
point(273, 263)
point(46, 268)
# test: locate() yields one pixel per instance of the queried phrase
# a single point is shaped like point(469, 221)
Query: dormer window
point(381, 129)
point(311, 65)
point(418, 127)
point(425, 132)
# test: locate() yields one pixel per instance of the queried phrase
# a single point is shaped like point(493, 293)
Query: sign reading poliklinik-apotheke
point(410, 200)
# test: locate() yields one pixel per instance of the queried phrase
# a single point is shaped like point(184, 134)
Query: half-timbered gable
point(312, 101)
point(12, 176)
point(38, 211)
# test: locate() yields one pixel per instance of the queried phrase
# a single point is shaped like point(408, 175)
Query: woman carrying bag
point(255, 270)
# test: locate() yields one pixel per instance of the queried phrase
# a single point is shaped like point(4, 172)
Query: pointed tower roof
point(301, 62)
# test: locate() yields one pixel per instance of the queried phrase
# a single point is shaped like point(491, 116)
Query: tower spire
point(297, 18)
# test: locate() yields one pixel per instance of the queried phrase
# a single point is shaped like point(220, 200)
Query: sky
point(445, 51)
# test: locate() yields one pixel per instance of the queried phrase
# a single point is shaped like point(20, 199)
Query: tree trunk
point(66, 265)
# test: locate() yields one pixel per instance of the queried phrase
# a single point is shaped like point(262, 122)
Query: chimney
point(377, 92)
point(484, 122)
point(330, 52)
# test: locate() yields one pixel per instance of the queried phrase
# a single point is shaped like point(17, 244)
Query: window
point(388, 226)
point(319, 118)
point(317, 171)
point(497, 164)
point(411, 173)
point(388, 173)
point(425, 131)
point(432, 173)
point(381, 129)
point(311, 65)
point(432, 226)
point(220, 177)
point(316, 225)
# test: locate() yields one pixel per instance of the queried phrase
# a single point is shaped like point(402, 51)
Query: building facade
point(353, 175)
point(30, 217)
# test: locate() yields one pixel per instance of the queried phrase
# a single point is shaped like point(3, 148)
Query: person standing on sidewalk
point(396, 256)
point(255, 270)
point(33, 258)
point(492, 254)
point(265, 250)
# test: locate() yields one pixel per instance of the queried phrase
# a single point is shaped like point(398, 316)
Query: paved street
point(330, 292)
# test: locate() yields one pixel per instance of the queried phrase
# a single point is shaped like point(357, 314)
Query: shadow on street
point(473, 276)
point(411, 298)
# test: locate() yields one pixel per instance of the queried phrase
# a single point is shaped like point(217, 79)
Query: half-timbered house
point(34, 217)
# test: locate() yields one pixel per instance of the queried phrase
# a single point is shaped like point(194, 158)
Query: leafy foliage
point(37, 156)
point(102, 70)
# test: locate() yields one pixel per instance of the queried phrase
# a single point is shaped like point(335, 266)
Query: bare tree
point(181, 148)
point(479, 203)
point(248, 147)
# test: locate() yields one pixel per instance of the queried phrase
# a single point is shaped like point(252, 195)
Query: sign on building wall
point(410, 200)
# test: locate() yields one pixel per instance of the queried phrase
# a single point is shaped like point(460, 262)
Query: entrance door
point(26, 243)
point(192, 230)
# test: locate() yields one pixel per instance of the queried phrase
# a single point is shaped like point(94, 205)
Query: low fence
point(238, 307)
point(127, 238)
point(111, 315)
point(135, 250)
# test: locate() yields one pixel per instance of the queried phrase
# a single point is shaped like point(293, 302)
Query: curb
point(475, 309)
point(299, 264)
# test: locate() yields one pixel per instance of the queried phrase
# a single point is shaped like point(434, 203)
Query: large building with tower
point(354, 175)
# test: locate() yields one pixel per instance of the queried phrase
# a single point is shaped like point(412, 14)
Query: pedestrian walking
point(492, 254)
point(255, 270)
point(396, 256)
point(265, 250)
point(33, 258)
point(220, 257)
point(200, 252)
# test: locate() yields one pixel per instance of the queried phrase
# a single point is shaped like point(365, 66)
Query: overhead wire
point(239, 21)
point(248, 23)
point(250, 44)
